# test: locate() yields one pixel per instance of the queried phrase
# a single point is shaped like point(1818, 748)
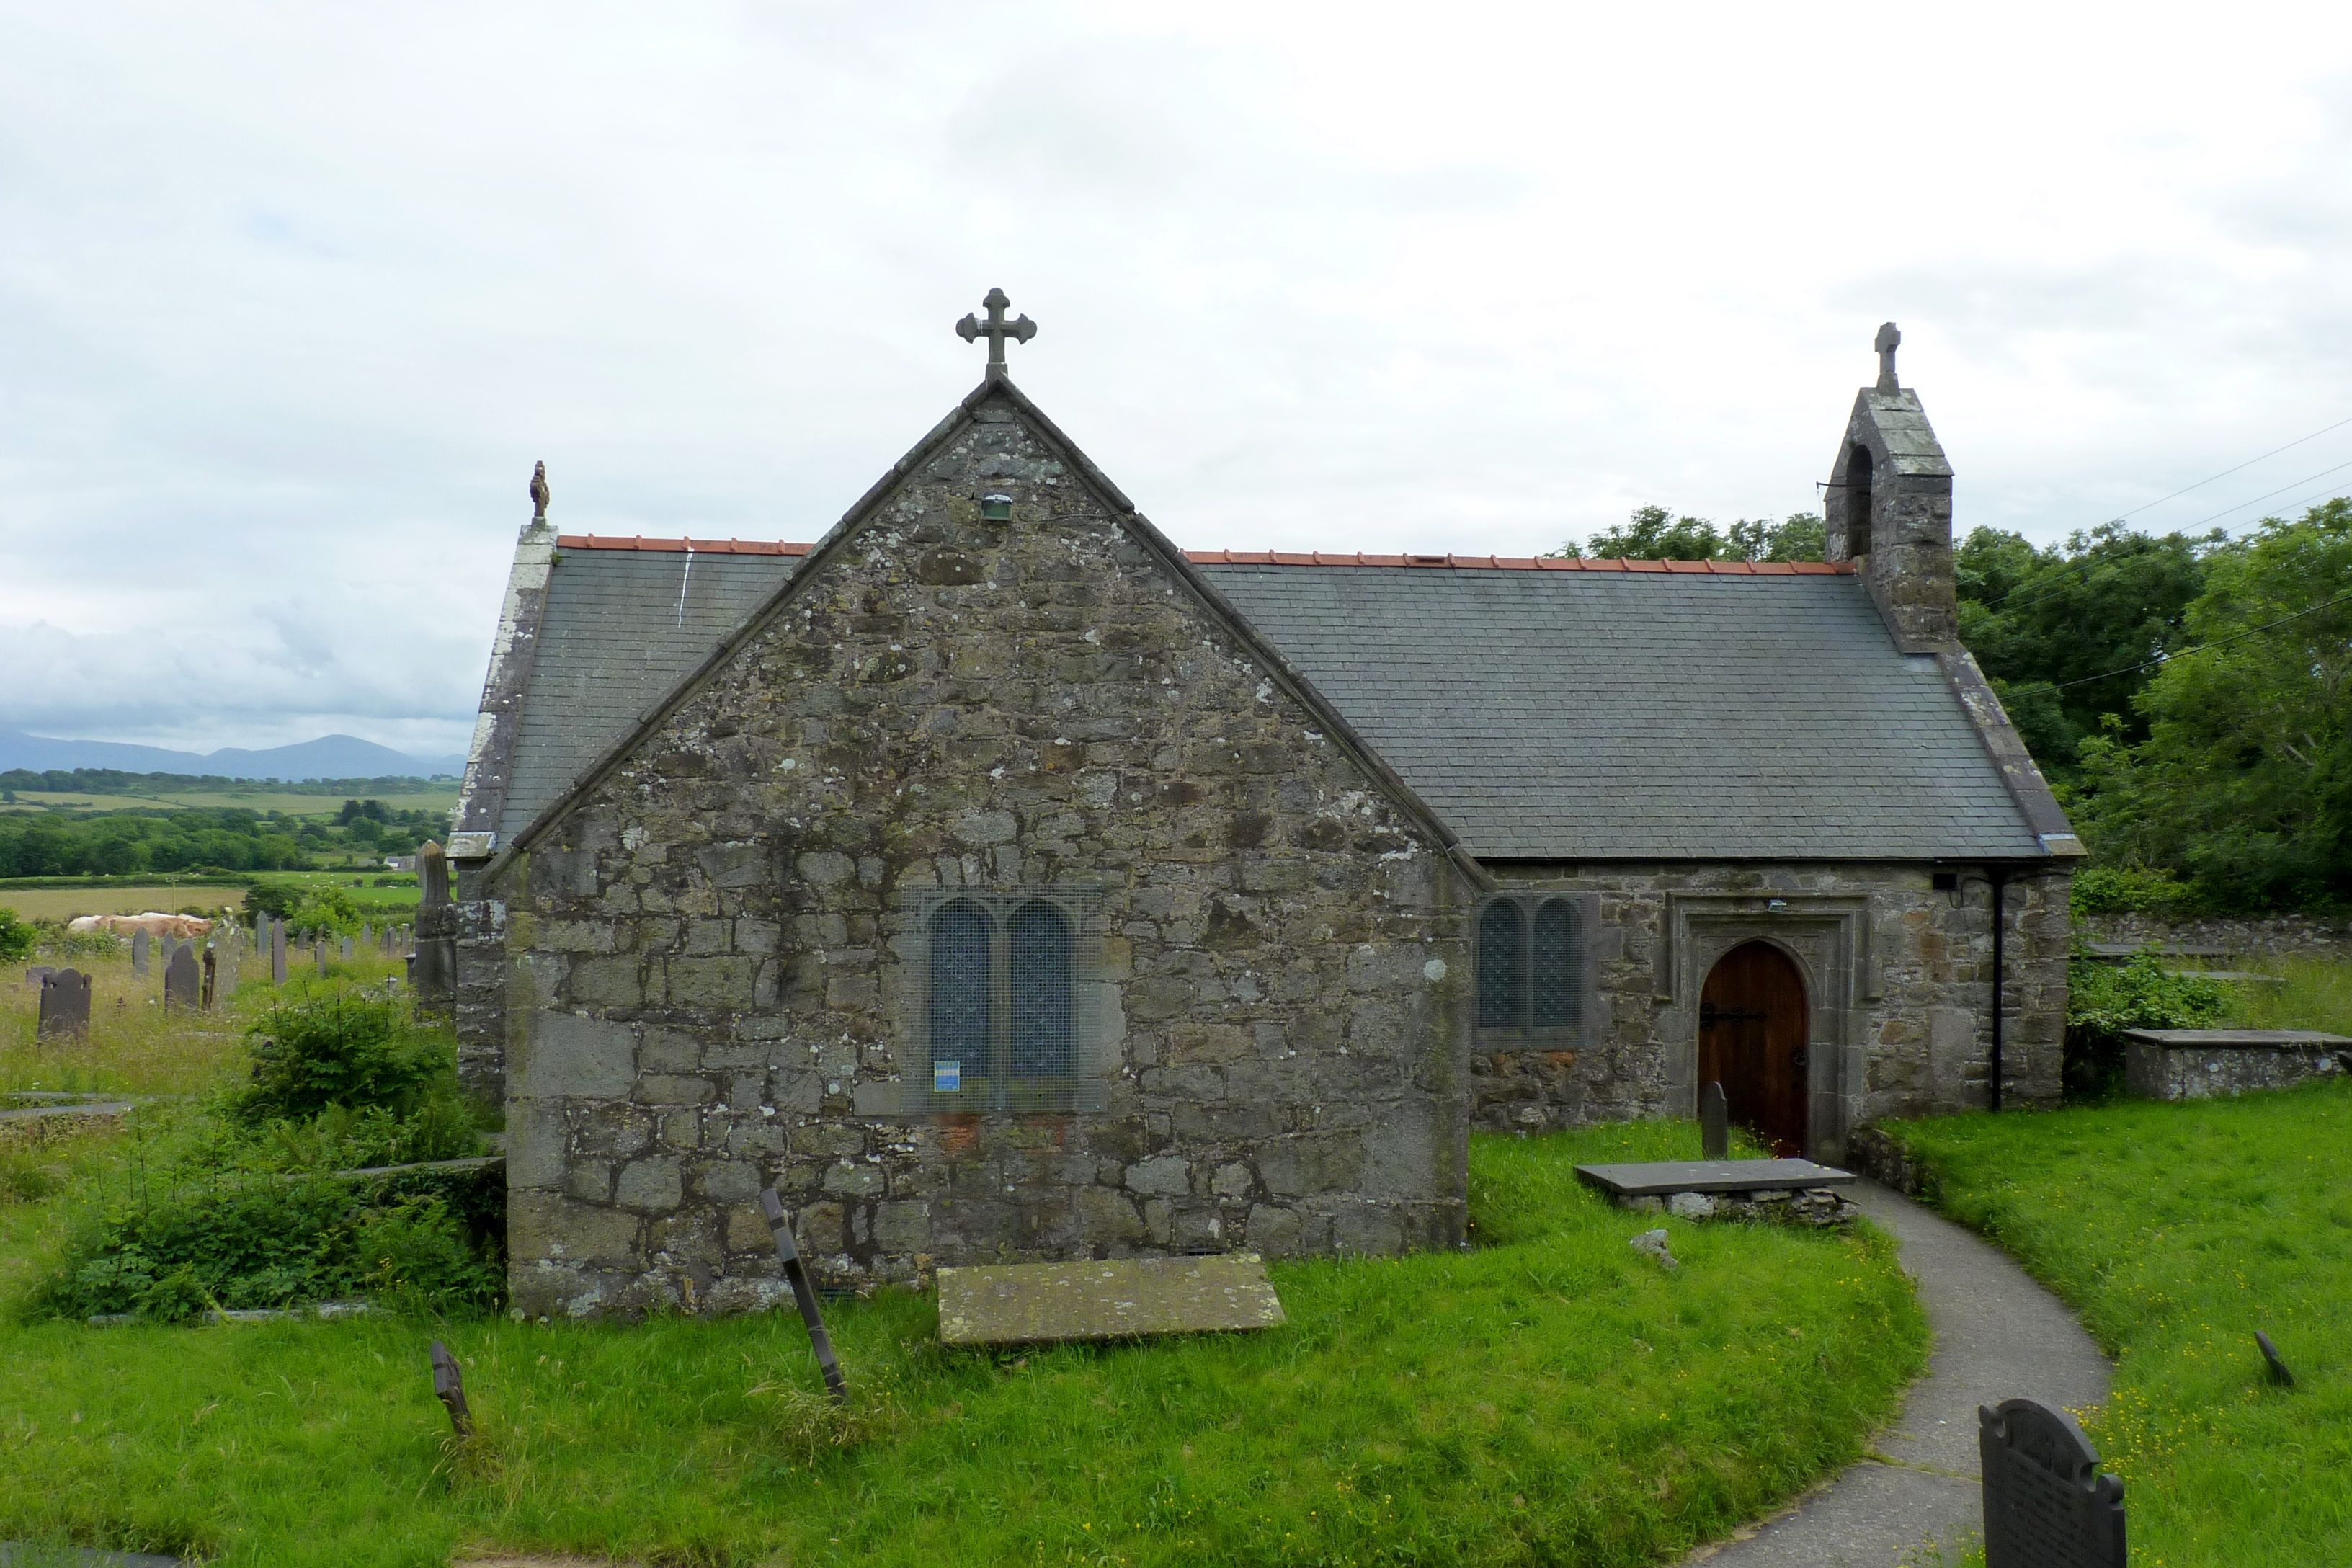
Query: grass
point(2177, 1230)
point(2313, 994)
point(293, 803)
point(65, 904)
point(136, 1048)
point(1550, 1397)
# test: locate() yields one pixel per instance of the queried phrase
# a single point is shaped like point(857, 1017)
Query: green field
point(1550, 1397)
point(2177, 1231)
point(260, 798)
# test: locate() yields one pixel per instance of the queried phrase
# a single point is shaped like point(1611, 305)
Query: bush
point(275, 899)
point(2103, 1000)
point(350, 1051)
point(15, 937)
point(2118, 889)
point(265, 1242)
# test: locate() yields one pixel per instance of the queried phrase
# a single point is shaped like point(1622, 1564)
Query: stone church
point(1000, 881)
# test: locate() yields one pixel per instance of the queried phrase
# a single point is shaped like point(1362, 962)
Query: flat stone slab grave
point(1120, 1299)
point(1663, 1178)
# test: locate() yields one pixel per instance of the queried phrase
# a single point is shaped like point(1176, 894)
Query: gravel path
point(1998, 1336)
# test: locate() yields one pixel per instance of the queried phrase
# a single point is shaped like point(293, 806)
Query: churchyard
point(2177, 1231)
point(1550, 1393)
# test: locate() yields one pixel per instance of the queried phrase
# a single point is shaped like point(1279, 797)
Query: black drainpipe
point(1999, 878)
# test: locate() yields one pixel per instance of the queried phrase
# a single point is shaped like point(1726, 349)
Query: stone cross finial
point(539, 492)
point(1890, 338)
point(996, 329)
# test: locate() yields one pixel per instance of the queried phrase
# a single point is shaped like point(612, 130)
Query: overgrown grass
point(135, 1047)
point(2177, 1230)
point(1551, 1397)
point(2312, 993)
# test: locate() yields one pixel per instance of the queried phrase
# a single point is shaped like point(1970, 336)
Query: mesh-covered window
point(1502, 966)
point(1003, 1002)
point(1531, 962)
point(1555, 983)
point(1038, 974)
point(963, 992)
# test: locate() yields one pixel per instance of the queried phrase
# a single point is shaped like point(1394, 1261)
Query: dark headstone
point(2279, 1374)
point(2045, 1503)
point(64, 1004)
point(796, 1274)
point(449, 1387)
point(1714, 1123)
point(182, 978)
point(139, 941)
point(212, 979)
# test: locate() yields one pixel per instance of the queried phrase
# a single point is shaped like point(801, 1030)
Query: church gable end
point(990, 896)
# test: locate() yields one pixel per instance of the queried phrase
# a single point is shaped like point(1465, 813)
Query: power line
point(2200, 648)
point(2086, 562)
point(2225, 473)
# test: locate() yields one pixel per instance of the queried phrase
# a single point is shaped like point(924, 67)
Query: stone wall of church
point(708, 977)
point(1898, 976)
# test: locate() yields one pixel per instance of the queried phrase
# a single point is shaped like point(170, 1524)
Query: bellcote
point(1889, 509)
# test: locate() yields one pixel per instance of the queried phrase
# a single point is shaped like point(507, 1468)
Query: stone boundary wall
point(2281, 936)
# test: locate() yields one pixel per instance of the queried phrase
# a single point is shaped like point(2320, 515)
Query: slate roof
point(616, 637)
point(1591, 714)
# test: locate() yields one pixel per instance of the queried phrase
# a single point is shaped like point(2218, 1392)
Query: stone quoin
point(1001, 883)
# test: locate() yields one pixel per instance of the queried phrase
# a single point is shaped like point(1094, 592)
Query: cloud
point(294, 298)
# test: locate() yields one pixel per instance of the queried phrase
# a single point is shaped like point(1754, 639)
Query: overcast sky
point(292, 296)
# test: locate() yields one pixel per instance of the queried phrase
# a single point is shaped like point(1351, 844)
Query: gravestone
point(319, 953)
point(278, 953)
point(212, 978)
point(2045, 1503)
point(64, 1004)
point(1714, 1123)
point(38, 973)
point(139, 953)
point(434, 972)
point(182, 982)
point(367, 933)
point(347, 949)
point(1118, 1299)
point(225, 976)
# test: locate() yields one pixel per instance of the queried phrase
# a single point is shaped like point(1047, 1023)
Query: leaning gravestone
point(1714, 1123)
point(64, 1004)
point(139, 953)
point(182, 978)
point(2045, 1503)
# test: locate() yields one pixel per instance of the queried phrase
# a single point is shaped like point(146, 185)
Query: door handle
point(1799, 1058)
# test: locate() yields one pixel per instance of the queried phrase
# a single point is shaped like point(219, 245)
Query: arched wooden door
point(1751, 1039)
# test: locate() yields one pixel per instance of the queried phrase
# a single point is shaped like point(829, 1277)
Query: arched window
point(1531, 962)
point(1502, 966)
point(1857, 502)
point(962, 1017)
point(1555, 983)
point(1039, 976)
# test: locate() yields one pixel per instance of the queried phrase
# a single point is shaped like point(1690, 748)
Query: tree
point(2244, 778)
point(1654, 534)
point(2062, 633)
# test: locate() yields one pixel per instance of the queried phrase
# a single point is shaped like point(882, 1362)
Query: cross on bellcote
point(996, 329)
point(1889, 339)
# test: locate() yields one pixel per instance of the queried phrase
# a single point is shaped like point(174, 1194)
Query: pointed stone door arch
point(1753, 1029)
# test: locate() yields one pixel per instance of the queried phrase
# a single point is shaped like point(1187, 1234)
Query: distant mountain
point(328, 757)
